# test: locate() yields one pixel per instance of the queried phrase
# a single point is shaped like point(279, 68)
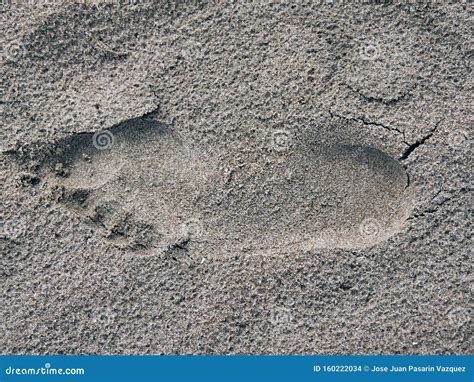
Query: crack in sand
point(412, 147)
point(388, 102)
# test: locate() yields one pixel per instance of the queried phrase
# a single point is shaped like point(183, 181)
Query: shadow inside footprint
point(144, 186)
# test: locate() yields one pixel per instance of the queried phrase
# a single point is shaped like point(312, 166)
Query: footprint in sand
point(144, 187)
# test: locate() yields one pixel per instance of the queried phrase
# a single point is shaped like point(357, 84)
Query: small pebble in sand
point(60, 170)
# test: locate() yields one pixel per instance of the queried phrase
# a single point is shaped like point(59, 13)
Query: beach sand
point(255, 178)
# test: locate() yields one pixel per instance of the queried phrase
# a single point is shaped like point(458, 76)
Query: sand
point(236, 178)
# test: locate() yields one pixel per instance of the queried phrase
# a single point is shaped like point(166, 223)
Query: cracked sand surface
point(313, 159)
